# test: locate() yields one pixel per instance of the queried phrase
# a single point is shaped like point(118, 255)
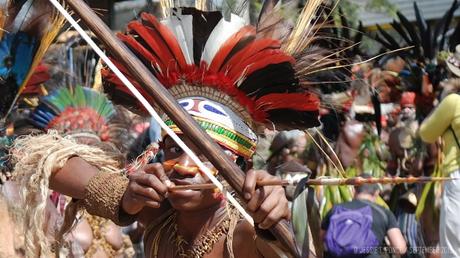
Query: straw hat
point(453, 61)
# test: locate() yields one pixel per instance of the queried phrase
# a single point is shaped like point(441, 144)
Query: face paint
point(173, 164)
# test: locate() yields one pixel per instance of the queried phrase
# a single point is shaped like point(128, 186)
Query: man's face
point(407, 113)
point(185, 173)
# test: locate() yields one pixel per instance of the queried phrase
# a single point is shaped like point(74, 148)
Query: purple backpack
point(350, 232)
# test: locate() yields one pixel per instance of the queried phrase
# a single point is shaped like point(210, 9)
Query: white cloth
point(449, 228)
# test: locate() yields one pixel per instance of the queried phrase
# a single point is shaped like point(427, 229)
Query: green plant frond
point(428, 193)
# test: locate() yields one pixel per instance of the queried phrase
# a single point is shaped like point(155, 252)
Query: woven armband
point(103, 196)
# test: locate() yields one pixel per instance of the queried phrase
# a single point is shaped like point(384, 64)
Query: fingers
point(149, 180)
point(157, 170)
point(268, 206)
point(275, 215)
point(146, 192)
point(146, 201)
point(143, 190)
point(257, 199)
point(249, 185)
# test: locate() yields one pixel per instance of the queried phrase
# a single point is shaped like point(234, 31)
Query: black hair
point(367, 188)
point(241, 162)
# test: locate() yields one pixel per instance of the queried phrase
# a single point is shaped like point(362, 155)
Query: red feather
point(227, 47)
point(153, 40)
point(169, 38)
point(258, 61)
point(140, 50)
point(250, 50)
point(295, 101)
point(39, 76)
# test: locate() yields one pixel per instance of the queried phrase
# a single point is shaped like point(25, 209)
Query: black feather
point(443, 25)
point(357, 40)
point(398, 28)
point(454, 39)
point(8, 91)
point(388, 38)
point(425, 33)
point(274, 78)
point(422, 25)
point(287, 118)
point(412, 33)
point(427, 43)
point(383, 42)
point(345, 25)
point(240, 45)
point(203, 24)
point(378, 111)
point(448, 19)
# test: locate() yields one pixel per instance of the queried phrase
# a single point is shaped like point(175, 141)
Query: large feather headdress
point(28, 28)
point(230, 76)
point(74, 110)
point(426, 41)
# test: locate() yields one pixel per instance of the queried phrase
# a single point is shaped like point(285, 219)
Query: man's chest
point(171, 247)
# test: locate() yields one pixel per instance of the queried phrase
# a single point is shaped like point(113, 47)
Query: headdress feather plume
point(200, 53)
point(76, 109)
point(28, 29)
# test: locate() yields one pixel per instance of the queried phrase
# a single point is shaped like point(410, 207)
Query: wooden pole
point(228, 169)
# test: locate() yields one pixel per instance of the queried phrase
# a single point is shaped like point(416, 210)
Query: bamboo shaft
point(327, 181)
point(228, 169)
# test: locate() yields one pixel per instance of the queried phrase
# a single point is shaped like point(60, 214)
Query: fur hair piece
point(36, 158)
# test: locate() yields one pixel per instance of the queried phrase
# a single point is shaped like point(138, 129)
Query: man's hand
point(147, 187)
point(267, 204)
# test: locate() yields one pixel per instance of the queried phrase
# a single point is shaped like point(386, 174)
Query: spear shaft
point(355, 181)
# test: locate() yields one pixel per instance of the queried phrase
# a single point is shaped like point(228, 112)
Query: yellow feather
point(57, 21)
point(166, 6)
point(303, 31)
point(3, 16)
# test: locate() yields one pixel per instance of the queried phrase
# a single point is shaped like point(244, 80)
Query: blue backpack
point(350, 232)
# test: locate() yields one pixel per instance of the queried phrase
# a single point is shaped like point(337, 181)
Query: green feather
point(300, 218)
point(80, 97)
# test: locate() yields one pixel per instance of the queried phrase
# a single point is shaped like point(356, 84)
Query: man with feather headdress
point(233, 79)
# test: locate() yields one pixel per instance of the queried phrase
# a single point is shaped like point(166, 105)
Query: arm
point(73, 177)
point(437, 123)
point(397, 241)
point(103, 194)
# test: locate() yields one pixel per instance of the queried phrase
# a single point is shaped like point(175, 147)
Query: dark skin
point(199, 210)
point(147, 197)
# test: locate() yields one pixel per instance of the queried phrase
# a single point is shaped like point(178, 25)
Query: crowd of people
point(87, 172)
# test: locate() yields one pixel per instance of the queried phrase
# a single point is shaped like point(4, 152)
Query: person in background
point(444, 122)
point(358, 228)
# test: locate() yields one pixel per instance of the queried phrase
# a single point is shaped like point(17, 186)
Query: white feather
point(182, 29)
point(22, 17)
point(221, 33)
